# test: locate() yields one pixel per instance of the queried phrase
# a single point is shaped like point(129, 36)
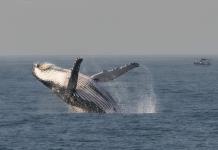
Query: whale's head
point(51, 75)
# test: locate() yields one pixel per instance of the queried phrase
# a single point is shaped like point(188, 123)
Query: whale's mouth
point(46, 83)
point(34, 67)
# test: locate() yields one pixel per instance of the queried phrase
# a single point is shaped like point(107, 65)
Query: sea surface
point(167, 104)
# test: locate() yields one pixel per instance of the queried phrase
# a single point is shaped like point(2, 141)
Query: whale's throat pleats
point(88, 90)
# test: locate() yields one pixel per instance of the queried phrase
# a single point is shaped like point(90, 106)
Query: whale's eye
point(45, 67)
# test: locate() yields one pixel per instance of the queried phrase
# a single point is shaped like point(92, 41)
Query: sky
point(109, 27)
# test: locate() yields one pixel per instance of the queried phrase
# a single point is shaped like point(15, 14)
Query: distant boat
point(202, 61)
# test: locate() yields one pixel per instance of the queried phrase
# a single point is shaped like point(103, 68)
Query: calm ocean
point(167, 104)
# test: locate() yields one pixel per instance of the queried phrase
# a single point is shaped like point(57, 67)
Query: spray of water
point(130, 101)
point(147, 102)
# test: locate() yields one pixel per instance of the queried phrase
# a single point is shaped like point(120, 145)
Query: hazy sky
point(109, 27)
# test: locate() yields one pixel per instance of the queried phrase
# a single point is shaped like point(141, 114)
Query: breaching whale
point(83, 93)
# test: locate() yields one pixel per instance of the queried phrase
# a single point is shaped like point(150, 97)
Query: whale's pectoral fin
point(74, 75)
point(108, 75)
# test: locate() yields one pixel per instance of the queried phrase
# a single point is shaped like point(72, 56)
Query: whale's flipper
point(74, 75)
point(108, 75)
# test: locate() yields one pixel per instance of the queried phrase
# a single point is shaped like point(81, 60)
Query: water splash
point(141, 98)
point(147, 103)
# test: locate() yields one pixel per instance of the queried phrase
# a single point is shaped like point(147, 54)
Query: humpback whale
point(83, 93)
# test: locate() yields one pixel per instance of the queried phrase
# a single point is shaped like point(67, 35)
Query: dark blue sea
point(167, 104)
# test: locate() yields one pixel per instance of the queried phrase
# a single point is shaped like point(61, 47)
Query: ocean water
point(167, 103)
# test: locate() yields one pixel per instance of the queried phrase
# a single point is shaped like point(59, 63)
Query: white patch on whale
point(50, 72)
